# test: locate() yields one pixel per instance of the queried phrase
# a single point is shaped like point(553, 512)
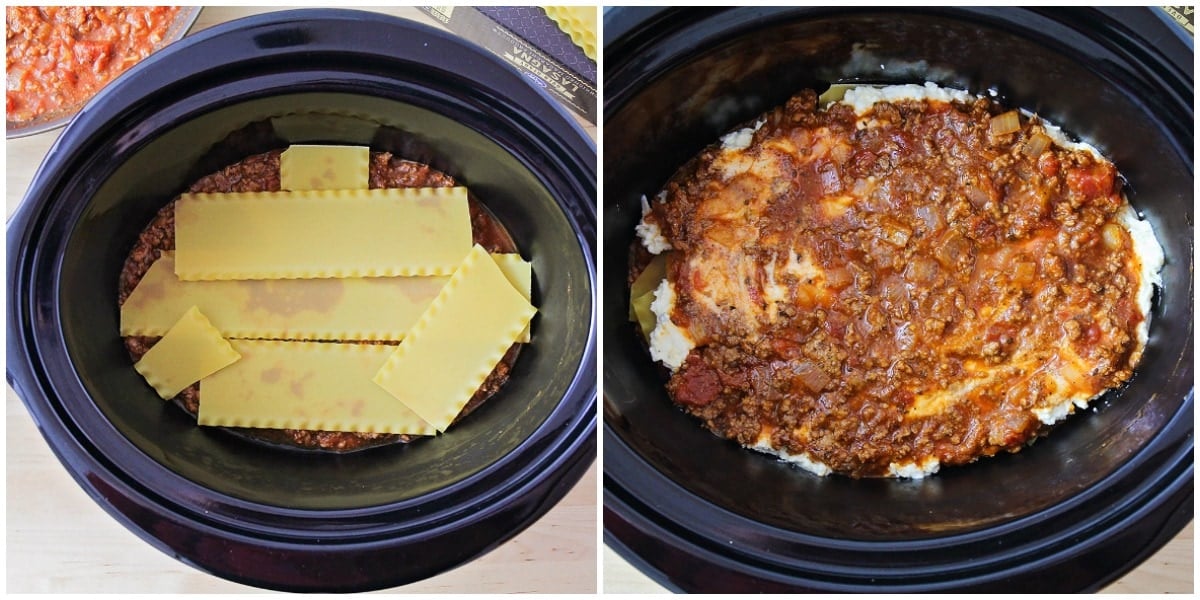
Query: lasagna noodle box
point(530, 41)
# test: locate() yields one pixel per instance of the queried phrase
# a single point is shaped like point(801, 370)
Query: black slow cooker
point(269, 517)
point(1072, 513)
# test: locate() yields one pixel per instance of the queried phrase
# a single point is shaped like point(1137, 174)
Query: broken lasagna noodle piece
point(907, 278)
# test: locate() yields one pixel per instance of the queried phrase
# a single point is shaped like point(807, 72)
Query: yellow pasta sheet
point(360, 308)
point(578, 22)
point(324, 168)
point(190, 350)
point(519, 273)
point(457, 342)
point(317, 234)
point(306, 385)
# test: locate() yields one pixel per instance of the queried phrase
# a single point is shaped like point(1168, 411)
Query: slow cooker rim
point(618, 453)
point(1169, 65)
point(540, 111)
point(625, 26)
point(568, 460)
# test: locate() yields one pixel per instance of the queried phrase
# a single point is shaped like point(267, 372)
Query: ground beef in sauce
point(260, 173)
point(59, 56)
point(874, 292)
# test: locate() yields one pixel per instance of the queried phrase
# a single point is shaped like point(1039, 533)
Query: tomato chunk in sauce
point(59, 56)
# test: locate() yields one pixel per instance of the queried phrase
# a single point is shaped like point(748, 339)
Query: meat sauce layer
point(260, 173)
point(904, 285)
point(59, 56)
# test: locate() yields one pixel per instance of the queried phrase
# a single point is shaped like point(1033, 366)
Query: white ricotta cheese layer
point(912, 470)
point(649, 232)
point(864, 97)
point(740, 139)
point(802, 460)
point(1149, 255)
point(1060, 139)
point(669, 344)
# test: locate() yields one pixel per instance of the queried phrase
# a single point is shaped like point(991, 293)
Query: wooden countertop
point(59, 540)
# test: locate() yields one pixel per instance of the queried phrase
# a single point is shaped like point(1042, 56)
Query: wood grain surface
point(59, 540)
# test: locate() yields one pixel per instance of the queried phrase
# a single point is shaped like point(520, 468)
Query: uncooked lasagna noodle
point(457, 342)
point(908, 278)
point(354, 308)
point(325, 233)
point(191, 350)
point(578, 22)
point(519, 273)
point(324, 168)
point(306, 385)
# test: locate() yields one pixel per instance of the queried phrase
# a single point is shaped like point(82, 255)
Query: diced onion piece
point(1068, 374)
point(1008, 122)
point(921, 270)
point(839, 278)
point(978, 197)
point(830, 180)
point(811, 377)
point(953, 249)
point(1112, 235)
point(895, 233)
point(1024, 272)
point(1036, 145)
point(895, 291)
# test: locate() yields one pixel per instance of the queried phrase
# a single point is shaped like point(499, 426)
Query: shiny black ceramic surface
point(287, 519)
point(1070, 513)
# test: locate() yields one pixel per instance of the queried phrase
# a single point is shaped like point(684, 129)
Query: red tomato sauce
point(58, 57)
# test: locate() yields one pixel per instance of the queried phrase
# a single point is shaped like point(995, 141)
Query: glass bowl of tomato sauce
point(58, 57)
